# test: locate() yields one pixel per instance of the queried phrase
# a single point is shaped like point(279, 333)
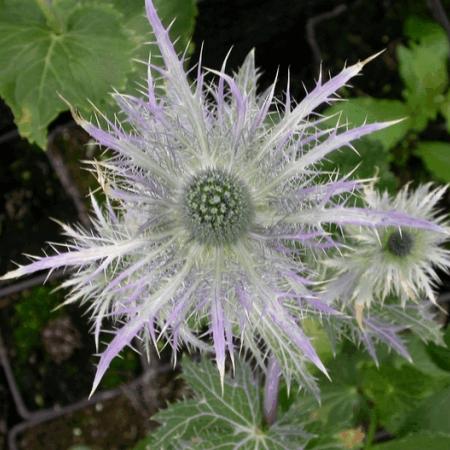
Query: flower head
point(215, 207)
point(401, 261)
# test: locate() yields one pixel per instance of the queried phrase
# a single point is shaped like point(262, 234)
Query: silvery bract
point(216, 204)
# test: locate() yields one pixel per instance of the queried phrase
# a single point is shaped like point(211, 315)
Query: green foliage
point(76, 50)
point(423, 68)
point(429, 415)
point(436, 157)
point(394, 396)
point(395, 392)
point(341, 404)
point(221, 419)
point(423, 361)
point(441, 354)
point(404, 399)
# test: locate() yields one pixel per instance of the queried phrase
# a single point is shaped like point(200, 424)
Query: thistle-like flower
point(211, 206)
point(394, 261)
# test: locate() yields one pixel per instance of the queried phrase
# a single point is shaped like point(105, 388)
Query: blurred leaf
point(441, 354)
point(77, 50)
point(431, 414)
point(423, 69)
point(424, 31)
point(436, 156)
point(357, 110)
point(314, 329)
point(422, 360)
point(342, 405)
point(396, 391)
point(417, 441)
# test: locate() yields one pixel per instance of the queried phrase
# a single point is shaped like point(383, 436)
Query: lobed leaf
point(216, 419)
point(80, 53)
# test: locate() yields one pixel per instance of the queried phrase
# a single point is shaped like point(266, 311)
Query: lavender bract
point(216, 205)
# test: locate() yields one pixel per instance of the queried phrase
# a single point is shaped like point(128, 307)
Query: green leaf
point(227, 419)
point(436, 157)
point(425, 31)
point(333, 421)
point(431, 414)
point(417, 441)
point(440, 354)
point(423, 361)
point(357, 110)
point(314, 329)
point(423, 69)
point(373, 157)
point(341, 399)
point(396, 391)
point(80, 54)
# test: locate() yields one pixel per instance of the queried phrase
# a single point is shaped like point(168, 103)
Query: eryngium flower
point(394, 261)
point(215, 203)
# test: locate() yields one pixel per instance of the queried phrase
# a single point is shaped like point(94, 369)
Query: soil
point(112, 425)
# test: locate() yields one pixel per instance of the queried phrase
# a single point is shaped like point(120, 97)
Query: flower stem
point(271, 390)
point(372, 429)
